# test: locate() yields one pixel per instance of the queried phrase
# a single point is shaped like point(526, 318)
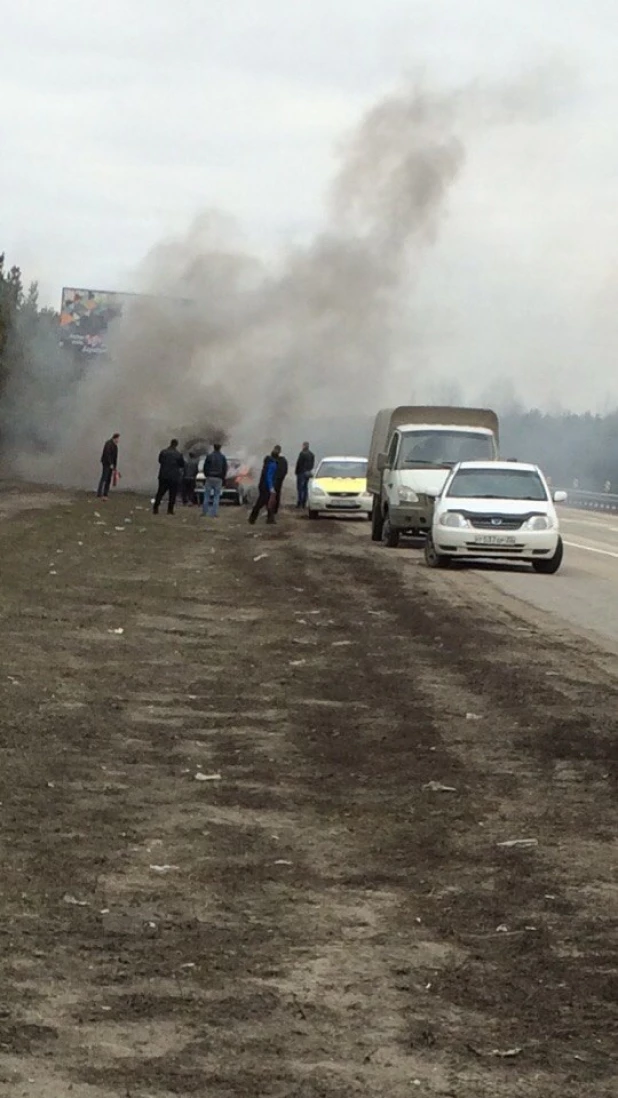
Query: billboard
point(85, 316)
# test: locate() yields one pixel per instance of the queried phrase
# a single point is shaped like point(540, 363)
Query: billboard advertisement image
point(85, 316)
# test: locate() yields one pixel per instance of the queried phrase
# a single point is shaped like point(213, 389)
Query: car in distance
point(339, 487)
point(499, 509)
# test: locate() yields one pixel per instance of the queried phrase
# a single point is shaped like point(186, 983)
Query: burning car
point(238, 482)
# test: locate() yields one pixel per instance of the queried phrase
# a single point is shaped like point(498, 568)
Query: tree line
point(24, 326)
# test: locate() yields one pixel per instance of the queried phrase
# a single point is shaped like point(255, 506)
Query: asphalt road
point(584, 592)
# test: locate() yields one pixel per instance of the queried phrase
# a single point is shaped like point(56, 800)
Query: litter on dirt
point(473, 717)
point(73, 901)
point(199, 777)
point(519, 842)
point(437, 787)
point(163, 868)
point(260, 556)
point(116, 632)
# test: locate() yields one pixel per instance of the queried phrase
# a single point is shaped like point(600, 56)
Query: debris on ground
point(200, 777)
point(509, 843)
point(437, 787)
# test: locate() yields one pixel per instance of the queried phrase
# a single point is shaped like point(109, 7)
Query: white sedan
point(498, 509)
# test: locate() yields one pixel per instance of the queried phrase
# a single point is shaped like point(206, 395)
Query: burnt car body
point(238, 483)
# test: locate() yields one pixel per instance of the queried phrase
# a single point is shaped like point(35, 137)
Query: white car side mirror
point(560, 497)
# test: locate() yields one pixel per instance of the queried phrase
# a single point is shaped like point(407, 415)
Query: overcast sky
point(122, 120)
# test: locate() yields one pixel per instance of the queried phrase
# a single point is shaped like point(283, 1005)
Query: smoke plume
point(225, 345)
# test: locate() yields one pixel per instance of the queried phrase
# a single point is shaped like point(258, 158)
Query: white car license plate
point(344, 502)
point(493, 539)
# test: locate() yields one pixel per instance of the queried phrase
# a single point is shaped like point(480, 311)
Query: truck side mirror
point(382, 459)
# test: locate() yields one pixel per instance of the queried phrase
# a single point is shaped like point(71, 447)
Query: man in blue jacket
point(267, 489)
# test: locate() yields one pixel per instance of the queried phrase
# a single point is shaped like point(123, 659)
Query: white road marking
point(591, 549)
point(589, 522)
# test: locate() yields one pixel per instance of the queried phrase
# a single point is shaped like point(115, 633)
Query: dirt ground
point(226, 868)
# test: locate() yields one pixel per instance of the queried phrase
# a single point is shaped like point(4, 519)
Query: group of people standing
point(177, 471)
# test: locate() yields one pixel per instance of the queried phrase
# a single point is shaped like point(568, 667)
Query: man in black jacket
point(215, 472)
point(282, 472)
point(189, 479)
point(109, 465)
point(304, 467)
point(171, 465)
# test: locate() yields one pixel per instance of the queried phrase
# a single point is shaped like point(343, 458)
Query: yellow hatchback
point(339, 487)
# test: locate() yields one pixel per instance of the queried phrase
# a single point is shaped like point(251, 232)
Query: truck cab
point(420, 450)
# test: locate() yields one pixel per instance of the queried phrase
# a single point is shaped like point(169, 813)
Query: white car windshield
point(335, 469)
point(524, 484)
point(444, 448)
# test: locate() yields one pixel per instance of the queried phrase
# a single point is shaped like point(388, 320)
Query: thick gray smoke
point(227, 345)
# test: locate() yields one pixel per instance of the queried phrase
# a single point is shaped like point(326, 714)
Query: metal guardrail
point(592, 501)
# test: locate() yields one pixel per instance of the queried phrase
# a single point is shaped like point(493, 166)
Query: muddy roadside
point(256, 786)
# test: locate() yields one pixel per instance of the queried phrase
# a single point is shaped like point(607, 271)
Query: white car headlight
point(539, 522)
point(366, 495)
point(315, 490)
point(406, 495)
point(453, 519)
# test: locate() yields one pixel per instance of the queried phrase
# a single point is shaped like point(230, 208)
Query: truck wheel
point(390, 536)
point(549, 567)
point(433, 559)
point(377, 521)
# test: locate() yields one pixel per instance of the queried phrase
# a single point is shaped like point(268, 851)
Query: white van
point(413, 450)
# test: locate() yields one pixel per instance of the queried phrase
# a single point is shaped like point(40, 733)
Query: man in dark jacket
point(267, 488)
point(171, 465)
point(109, 465)
point(282, 472)
point(303, 470)
point(215, 472)
point(189, 480)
